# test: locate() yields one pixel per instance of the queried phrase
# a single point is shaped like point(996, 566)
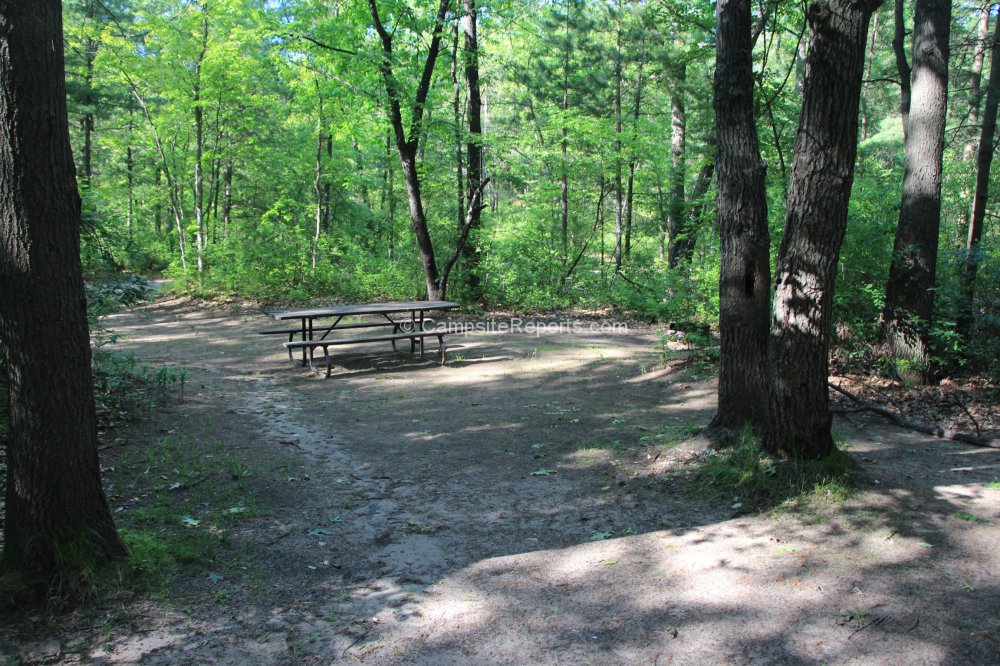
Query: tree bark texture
point(909, 292)
point(798, 416)
point(56, 508)
point(744, 280)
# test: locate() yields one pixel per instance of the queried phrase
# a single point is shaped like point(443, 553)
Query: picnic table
point(407, 319)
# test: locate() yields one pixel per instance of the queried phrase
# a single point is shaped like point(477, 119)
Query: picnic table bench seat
point(415, 338)
point(292, 332)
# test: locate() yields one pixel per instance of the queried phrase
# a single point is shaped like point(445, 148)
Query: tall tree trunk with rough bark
point(57, 519)
point(798, 414)
point(909, 294)
point(744, 279)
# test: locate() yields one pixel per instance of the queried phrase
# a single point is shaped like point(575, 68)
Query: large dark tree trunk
point(984, 161)
point(744, 281)
point(909, 294)
point(474, 148)
point(798, 417)
point(56, 509)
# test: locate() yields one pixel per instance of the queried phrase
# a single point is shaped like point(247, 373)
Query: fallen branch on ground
point(936, 431)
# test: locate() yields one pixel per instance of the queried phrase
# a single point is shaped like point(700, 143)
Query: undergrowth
point(182, 508)
point(756, 480)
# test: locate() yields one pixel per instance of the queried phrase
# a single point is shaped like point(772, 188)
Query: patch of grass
point(994, 484)
point(969, 517)
point(190, 496)
point(755, 479)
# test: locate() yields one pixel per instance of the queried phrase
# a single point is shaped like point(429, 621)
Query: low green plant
point(756, 479)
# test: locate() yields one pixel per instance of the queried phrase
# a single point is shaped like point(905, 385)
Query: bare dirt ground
point(530, 503)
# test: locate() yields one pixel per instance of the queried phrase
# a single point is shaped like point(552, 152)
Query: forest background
point(252, 149)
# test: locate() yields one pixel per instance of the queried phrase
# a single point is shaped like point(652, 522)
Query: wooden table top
point(363, 309)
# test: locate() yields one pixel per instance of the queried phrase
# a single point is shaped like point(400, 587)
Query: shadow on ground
point(530, 502)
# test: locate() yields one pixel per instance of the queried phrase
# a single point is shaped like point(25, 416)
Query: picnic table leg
point(441, 346)
point(304, 338)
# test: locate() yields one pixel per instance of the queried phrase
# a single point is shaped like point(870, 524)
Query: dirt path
point(525, 504)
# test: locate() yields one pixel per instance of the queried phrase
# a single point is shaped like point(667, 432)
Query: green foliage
point(754, 479)
point(295, 136)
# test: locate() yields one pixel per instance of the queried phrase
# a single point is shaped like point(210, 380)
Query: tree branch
point(391, 86)
point(475, 206)
point(425, 79)
point(335, 49)
point(936, 431)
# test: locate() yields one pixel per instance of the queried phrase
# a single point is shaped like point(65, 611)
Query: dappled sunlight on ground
point(533, 501)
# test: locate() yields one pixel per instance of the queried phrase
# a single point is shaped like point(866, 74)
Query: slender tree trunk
point(456, 115)
point(902, 66)
point(976, 79)
point(677, 227)
point(630, 181)
point(564, 171)
point(474, 147)
point(696, 207)
point(130, 187)
point(227, 197)
point(389, 197)
point(57, 519)
point(798, 416)
point(661, 215)
point(909, 293)
point(742, 209)
point(199, 149)
point(865, 113)
point(407, 144)
point(984, 161)
point(327, 221)
point(158, 208)
point(619, 201)
point(318, 175)
point(89, 100)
